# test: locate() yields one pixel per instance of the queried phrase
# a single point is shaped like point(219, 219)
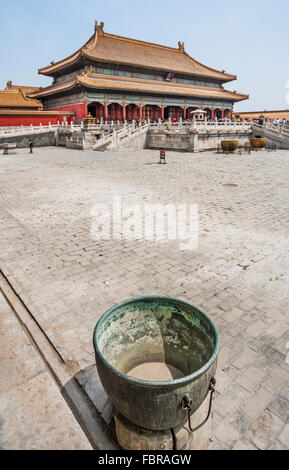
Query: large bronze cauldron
point(229, 145)
point(150, 330)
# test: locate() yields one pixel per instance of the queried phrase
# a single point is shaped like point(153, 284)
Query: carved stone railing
point(275, 132)
point(116, 137)
point(204, 126)
point(14, 131)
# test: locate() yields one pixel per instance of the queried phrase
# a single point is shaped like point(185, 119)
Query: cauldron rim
point(141, 382)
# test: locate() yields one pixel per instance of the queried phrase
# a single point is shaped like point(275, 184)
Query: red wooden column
point(140, 111)
point(118, 112)
point(163, 113)
point(222, 113)
point(124, 112)
point(213, 113)
point(112, 112)
point(156, 113)
point(185, 113)
point(84, 112)
point(105, 111)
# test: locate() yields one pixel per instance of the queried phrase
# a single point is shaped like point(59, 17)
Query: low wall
point(213, 141)
point(171, 140)
point(35, 118)
point(44, 139)
point(193, 141)
point(79, 110)
point(79, 140)
point(137, 142)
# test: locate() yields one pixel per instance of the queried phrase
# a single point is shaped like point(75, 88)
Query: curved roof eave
point(87, 49)
point(49, 69)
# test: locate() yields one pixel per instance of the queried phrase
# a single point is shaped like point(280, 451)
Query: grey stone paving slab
point(238, 274)
point(280, 407)
point(284, 436)
point(33, 414)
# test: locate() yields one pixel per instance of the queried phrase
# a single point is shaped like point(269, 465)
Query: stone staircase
point(275, 134)
point(130, 136)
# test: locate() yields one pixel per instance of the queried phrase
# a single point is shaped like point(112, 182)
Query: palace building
point(117, 78)
point(18, 109)
point(279, 114)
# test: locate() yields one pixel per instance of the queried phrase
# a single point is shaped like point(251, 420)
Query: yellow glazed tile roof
point(117, 49)
point(17, 99)
point(34, 112)
point(101, 81)
point(274, 114)
point(25, 89)
point(54, 88)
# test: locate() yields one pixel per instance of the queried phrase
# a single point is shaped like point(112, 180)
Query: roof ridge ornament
point(23, 94)
point(99, 27)
point(181, 46)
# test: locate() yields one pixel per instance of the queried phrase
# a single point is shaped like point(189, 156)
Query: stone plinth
point(131, 437)
point(9, 149)
point(90, 127)
point(196, 139)
point(83, 140)
point(173, 139)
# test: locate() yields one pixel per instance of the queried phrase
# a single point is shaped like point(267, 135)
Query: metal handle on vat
point(187, 405)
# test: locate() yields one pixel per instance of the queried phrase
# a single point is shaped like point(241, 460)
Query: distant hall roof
point(16, 97)
point(24, 88)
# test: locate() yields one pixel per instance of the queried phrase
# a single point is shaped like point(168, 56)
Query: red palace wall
point(79, 109)
point(26, 120)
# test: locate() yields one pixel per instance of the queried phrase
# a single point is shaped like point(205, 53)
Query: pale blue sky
point(249, 38)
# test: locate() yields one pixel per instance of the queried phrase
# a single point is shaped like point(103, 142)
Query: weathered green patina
point(155, 329)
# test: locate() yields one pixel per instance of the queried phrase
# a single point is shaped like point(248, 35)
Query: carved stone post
point(193, 140)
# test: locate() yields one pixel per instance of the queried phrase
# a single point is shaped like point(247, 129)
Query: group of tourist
point(261, 120)
point(139, 122)
point(276, 122)
point(280, 122)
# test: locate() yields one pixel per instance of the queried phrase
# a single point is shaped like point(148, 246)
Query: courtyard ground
point(238, 274)
point(33, 414)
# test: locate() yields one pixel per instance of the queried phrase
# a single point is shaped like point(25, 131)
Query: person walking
point(30, 146)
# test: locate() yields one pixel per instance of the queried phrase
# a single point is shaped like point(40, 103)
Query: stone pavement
point(238, 274)
point(33, 414)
